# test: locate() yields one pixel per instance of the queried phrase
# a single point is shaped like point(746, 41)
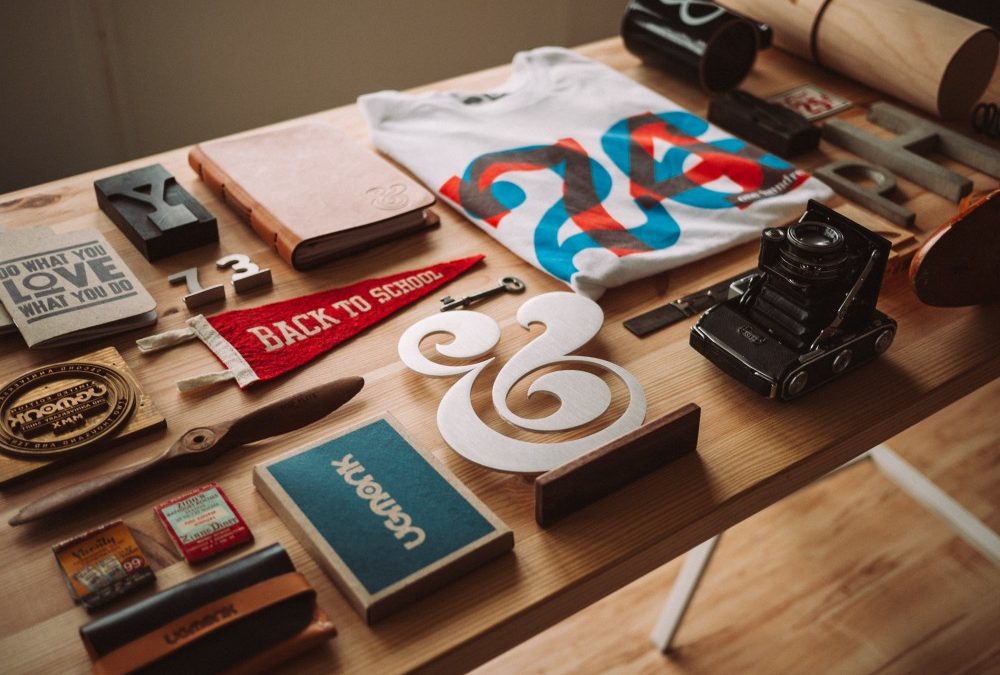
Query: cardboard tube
point(937, 61)
point(920, 54)
point(791, 20)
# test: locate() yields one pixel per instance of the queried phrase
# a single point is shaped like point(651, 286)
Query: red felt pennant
point(264, 342)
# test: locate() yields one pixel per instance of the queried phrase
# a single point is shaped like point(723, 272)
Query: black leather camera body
point(807, 315)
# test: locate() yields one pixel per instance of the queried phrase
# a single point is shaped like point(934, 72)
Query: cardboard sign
point(68, 288)
point(384, 518)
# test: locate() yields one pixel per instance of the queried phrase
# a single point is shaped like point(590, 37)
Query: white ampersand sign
point(570, 322)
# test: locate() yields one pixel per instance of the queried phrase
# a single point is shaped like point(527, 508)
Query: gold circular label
point(58, 409)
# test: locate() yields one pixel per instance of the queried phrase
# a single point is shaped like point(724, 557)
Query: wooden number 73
point(570, 321)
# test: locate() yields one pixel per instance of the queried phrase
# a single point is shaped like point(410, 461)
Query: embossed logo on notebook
point(389, 198)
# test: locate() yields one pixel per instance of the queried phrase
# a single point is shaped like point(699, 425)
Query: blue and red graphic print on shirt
point(684, 174)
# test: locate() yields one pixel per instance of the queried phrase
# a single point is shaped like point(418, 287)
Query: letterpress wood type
point(841, 177)
point(157, 215)
point(915, 135)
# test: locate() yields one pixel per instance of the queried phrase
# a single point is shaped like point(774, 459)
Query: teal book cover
point(383, 516)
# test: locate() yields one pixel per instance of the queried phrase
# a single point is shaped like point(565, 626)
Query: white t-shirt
point(585, 174)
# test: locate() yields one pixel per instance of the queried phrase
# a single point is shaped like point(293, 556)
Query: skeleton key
point(506, 285)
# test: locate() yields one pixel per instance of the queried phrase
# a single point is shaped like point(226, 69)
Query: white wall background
point(86, 83)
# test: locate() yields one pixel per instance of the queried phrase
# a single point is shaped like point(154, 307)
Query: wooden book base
point(576, 484)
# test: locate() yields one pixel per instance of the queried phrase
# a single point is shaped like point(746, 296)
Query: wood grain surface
point(751, 451)
point(849, 575)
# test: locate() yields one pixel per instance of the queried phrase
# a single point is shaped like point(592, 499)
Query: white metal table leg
point(896, 469)
point(683, 590)
point(918, 486)
point(687, 582)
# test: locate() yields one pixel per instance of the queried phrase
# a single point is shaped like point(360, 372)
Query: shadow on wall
point(86, 83)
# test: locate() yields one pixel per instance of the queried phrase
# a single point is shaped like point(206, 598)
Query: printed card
point(103, 564)
point(68, 288)
point(384, 518)
point(203, 523)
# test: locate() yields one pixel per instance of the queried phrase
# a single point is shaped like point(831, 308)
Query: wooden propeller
point(203, 445)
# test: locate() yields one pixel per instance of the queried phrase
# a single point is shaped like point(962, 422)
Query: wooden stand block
point(157, 215)
point(597, 474)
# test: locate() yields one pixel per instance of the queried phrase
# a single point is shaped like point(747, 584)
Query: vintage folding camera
point(807, 315)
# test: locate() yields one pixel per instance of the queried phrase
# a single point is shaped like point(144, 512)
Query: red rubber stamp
point(203, 523)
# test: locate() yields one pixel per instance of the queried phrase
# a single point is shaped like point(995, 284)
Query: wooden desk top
point(752, 451)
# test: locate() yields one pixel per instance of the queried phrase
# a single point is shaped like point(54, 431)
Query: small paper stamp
point(102, 565)
point(203, 523)
point(811, 102)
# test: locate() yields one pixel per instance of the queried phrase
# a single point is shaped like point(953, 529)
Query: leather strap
point(316, 633)
point(200, 623)
point(682, 308)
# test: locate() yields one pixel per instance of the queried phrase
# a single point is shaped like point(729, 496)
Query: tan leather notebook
point(311, 192)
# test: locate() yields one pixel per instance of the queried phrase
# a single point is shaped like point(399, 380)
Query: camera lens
point(818, 237)
point(813, 251)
